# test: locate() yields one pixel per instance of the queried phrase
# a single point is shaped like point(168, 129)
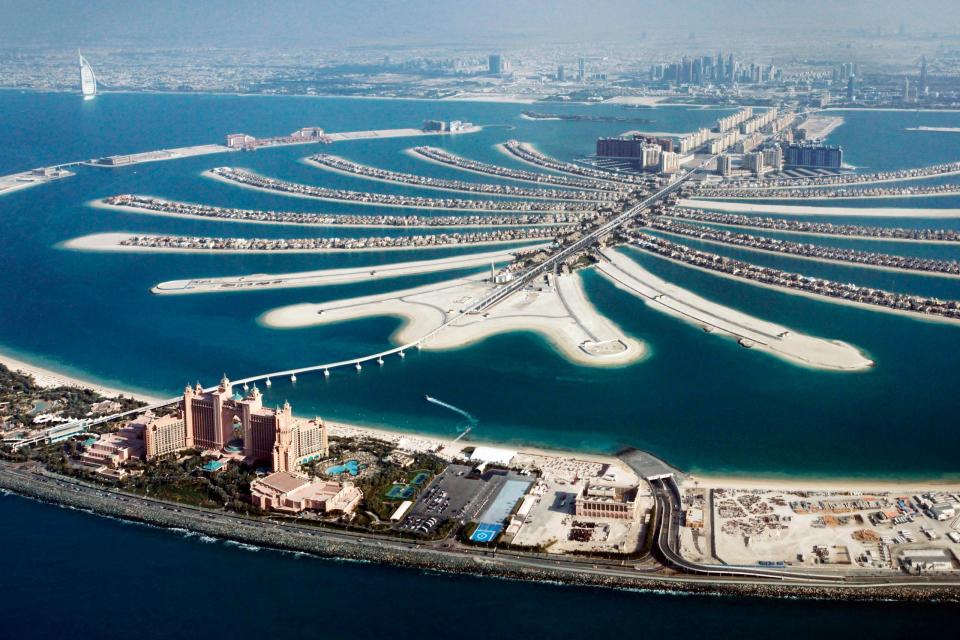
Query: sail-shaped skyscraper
point(88, 81)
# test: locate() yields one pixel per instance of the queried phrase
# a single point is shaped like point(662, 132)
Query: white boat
point(88, 81)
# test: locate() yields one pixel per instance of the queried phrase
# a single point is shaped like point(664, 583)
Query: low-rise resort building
point(293, 493)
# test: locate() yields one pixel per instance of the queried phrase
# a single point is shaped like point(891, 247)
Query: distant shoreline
point(491, 99)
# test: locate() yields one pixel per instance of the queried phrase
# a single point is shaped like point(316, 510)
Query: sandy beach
point(112, 242)
point(936, 129)
point(646, 101)
point(394, 133)
point(749, 331)
point(421, 441)
point(560, 312)
point(491, 97)
point(920, 317)
point(819, 126)
point(49, 378)
point(802, 210)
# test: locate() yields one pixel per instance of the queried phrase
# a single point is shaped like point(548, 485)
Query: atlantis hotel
point(224, 420)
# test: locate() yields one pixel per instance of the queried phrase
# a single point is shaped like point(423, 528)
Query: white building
point(669, 162)
point(753, 162)
point(924, 560)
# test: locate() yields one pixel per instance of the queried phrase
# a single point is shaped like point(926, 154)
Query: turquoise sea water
point(699, 401)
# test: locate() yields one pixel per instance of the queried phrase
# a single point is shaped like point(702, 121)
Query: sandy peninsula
point(363, 203)
point(819, 126)
point(114, 242)
point(643, 101)
point(558, 310)
point(324, 277)
point(812, 210)
point(317, 165)
point(749, 331)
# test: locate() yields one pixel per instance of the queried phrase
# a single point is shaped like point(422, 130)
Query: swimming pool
point(350, 466)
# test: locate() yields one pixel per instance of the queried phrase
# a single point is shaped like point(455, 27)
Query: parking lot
point(455, 494)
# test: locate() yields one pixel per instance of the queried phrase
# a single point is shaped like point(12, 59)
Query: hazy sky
point(302, 23)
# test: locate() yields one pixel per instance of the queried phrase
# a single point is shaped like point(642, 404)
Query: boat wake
point(472, 422)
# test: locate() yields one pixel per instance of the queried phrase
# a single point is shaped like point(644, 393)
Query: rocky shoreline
point(401, 553)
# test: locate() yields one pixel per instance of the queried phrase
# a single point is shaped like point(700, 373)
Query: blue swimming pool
point(350, 466)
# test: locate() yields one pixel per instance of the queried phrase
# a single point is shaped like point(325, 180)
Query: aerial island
point(219, 461)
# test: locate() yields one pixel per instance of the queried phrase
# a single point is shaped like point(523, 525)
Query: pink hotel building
point(214, 420)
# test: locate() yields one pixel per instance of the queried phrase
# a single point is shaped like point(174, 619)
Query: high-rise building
point(224, 420)
point(906, 89)
point(724, 165)
point(581, 69)
point(773, 158)
point(630, 146)
point(298, 442)
point(495, 64)
point(753, 162)
point(561, 76)
point(669, 162)
point(163, 435)
point(811, 154)
point(851, 88)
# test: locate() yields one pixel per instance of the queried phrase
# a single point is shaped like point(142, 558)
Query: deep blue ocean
point(701, 402)
point(82, 576)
